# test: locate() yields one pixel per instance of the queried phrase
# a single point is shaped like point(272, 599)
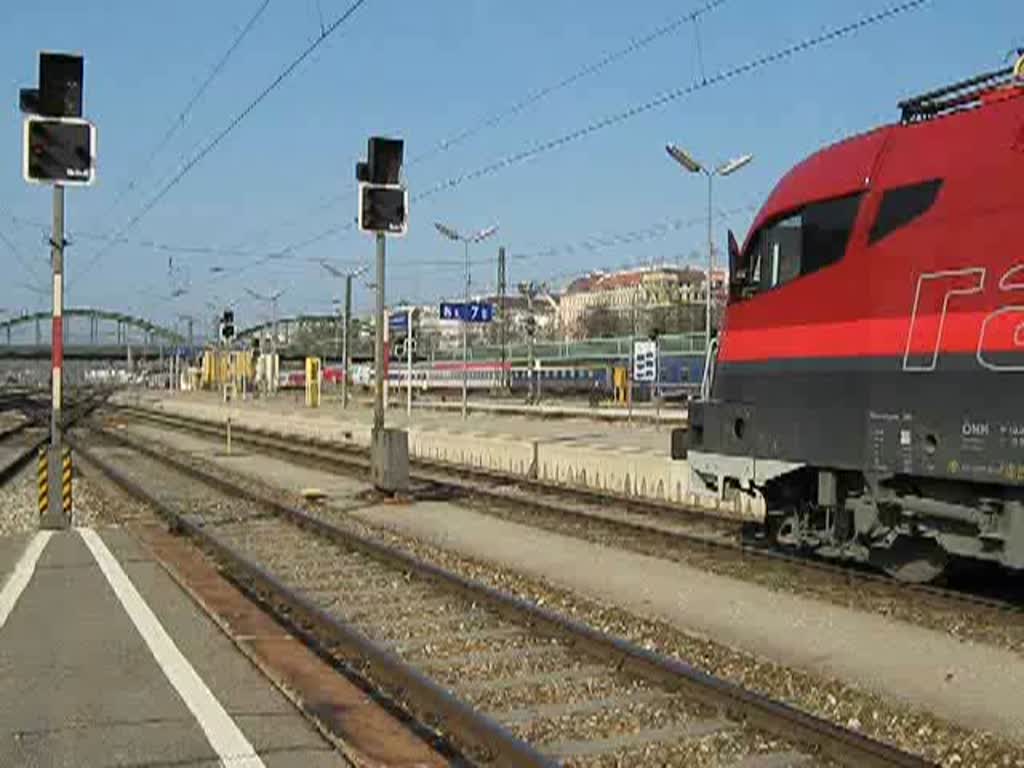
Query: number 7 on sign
point(474, 311)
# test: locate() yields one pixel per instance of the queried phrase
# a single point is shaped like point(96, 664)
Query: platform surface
point(572, 424)
point(116, 666)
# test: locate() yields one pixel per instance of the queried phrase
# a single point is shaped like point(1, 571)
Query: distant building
point(642, 289)
point(445, 336)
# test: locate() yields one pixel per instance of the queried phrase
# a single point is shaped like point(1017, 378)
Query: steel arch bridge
point(289, 327)
point(301, 335)
point(88, 333)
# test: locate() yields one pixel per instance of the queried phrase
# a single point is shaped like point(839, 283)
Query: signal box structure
point(383, 209)
point(59, 150)
point(383, 199)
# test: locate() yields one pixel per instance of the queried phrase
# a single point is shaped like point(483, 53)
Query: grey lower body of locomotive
point(865, 461)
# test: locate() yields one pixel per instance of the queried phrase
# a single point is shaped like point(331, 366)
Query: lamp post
point(272, 300)
point(530, 290)
point(466, 240)
point(725, 169)
point(346, 347)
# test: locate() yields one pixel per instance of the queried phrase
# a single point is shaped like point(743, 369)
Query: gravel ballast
point(844, 704)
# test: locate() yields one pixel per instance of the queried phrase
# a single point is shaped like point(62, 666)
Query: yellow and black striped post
point(65, 482)
point(43, 478)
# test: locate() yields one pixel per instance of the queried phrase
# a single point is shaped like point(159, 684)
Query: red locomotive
point(867, 380)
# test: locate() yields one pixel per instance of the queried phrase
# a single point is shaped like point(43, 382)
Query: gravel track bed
point(19, 510)
point(503, 687)
point(944, 743)
point(961, 619)
point(12, 446)
point(103, 503)
point(915, 731)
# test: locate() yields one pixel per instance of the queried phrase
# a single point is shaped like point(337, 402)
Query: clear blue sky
point(425, 71)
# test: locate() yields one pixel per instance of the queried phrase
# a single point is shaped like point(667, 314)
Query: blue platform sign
point(471, 313)
point(399, 320)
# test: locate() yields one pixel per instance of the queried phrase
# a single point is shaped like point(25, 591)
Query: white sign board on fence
point(645, 361)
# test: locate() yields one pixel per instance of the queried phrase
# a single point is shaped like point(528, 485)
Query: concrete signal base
point(389, 456)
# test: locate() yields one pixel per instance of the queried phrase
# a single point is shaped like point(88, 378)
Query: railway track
point(21, 443)
point(18, 446)
point(508, 682)
point(651, 527)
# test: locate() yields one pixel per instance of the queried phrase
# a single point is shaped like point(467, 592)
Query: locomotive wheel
point(915, 561)
point(784, 531)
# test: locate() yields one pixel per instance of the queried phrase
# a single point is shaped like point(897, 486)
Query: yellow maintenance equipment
point(620, 378)
point(44, 480)
point(313, 381)
point(65, 481)
point(226, 367)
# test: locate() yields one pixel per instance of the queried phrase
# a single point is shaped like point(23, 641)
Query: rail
point(827, 739)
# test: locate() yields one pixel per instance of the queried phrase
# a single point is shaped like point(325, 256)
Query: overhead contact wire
point(673, 95)
point(227, 130)
point(580, 74)
point(182, 116)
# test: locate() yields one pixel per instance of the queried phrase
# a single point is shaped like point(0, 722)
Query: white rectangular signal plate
point(359, 204)
point(645, 360)
point(84, 182)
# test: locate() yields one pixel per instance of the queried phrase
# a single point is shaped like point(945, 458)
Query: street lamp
point(271, 299)
point(530, 291)
point(453, 234)
point(346, 351)
point(725, 169)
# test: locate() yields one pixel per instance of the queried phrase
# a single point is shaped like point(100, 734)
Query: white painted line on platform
point(230, 744)
point(22, 574)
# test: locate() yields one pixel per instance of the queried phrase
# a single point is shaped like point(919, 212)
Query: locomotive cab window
point(799, 244)
point(902, 205)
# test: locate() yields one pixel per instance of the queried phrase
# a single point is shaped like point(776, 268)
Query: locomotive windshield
point(797, 244)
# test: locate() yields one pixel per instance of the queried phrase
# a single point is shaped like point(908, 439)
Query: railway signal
point(383, 209)
point(227, 326)
point(59, 149)
point(383, 199)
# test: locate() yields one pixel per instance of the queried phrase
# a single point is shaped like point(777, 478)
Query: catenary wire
point(234, 123)
point(589, 69)
point(673, 95)
point(655, 231)
point(661, 100)
point(541, 94)
point(23, 262)
point(182, 116)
